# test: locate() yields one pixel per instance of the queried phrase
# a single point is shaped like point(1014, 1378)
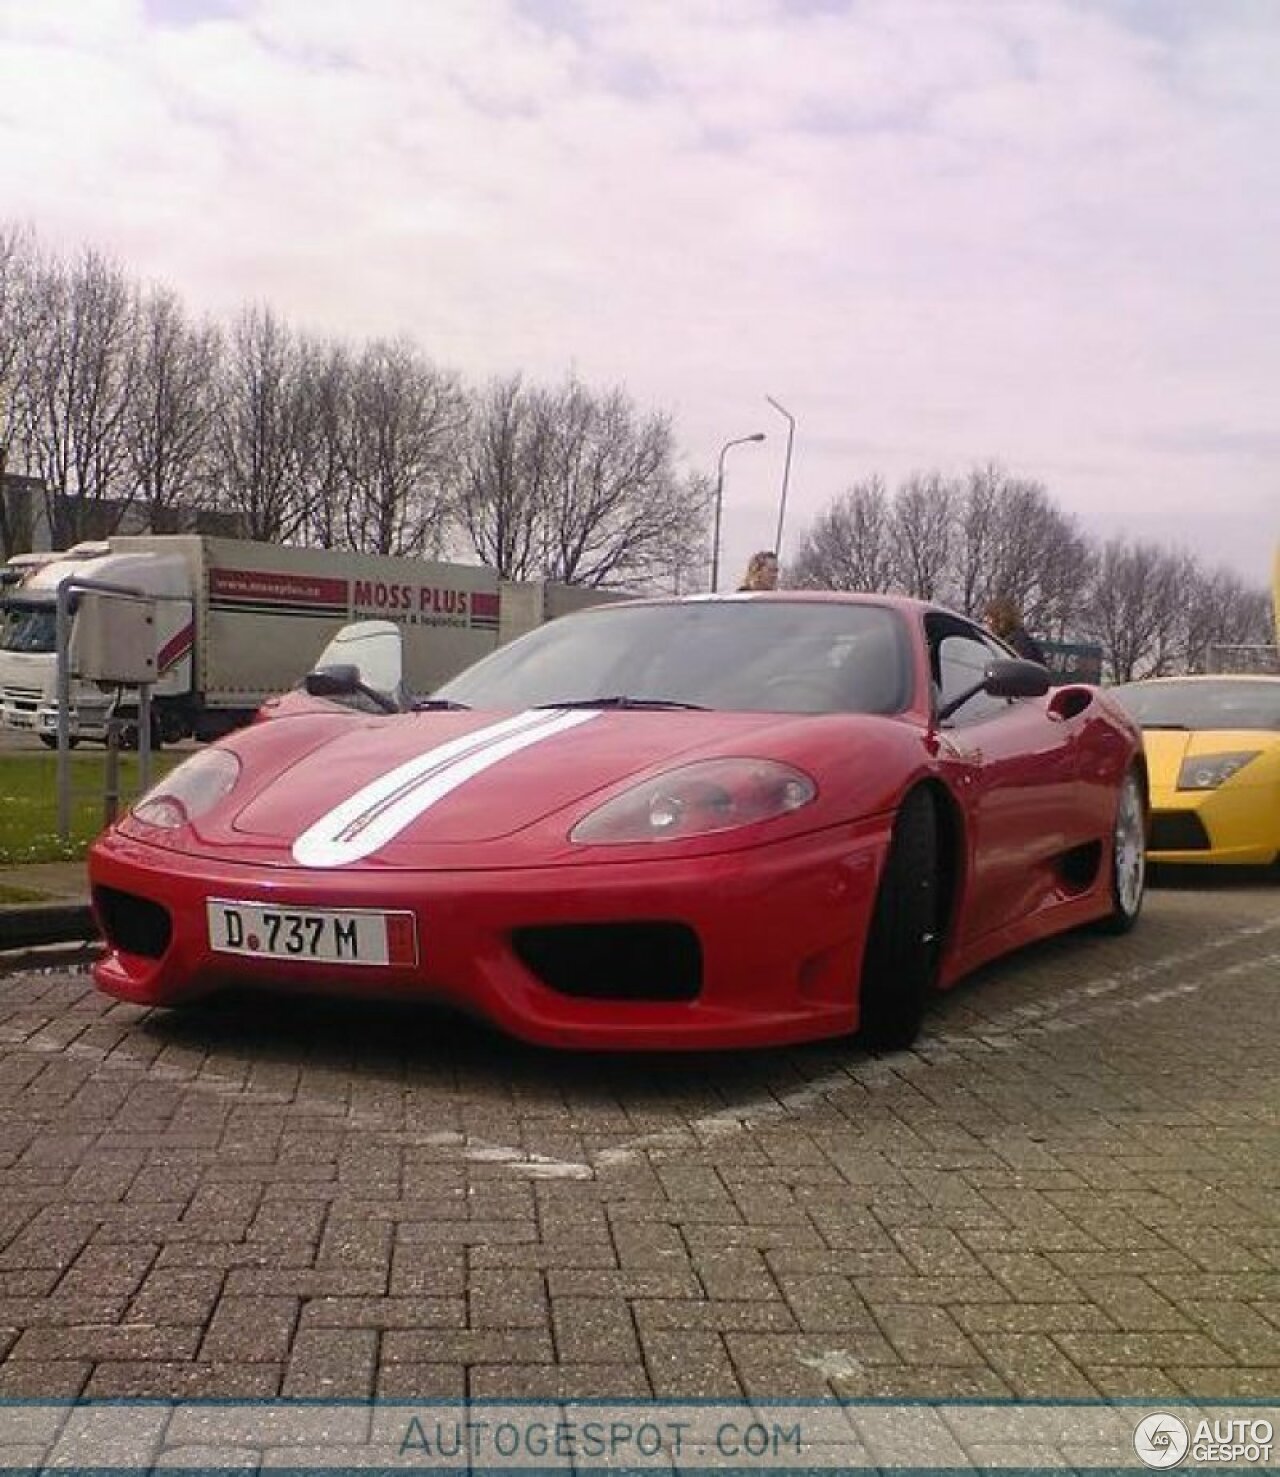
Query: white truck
point(238, 622)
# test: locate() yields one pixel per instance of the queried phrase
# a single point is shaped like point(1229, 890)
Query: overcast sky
point(1045, 232)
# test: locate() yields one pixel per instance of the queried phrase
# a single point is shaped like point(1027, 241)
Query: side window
point(962, 659)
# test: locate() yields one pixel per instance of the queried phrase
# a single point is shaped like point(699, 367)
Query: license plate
point(352, 936)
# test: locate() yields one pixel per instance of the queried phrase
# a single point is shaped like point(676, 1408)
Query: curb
point(27, 925)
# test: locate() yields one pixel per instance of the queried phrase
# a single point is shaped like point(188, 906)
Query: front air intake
point(134, 925)
point(614, 961)
point(1177, 830)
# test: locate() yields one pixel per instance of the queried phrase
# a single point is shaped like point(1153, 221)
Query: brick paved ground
point(1068, 1189)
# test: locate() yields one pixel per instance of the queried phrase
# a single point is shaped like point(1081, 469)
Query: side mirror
point(335, 681)
point(1005, 677)
point(1015, 677)
point(363, 659)
point(343, 681)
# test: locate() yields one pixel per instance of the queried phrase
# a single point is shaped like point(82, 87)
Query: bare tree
point(500, 479)
point(261, 428)
point(851, 545)
point(923, 520)
point(1134, 606)
point(1040, 560)
point(170, 410)
point(327, 371)
point(77, 366)
point(577, 487)
point(1012, 540)
point(406, 419)
point(17, 263)
point(619, 512)
point(1219, 609)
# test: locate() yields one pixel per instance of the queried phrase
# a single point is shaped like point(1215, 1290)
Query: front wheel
point(130, 731)
point(1128, 857)
point(901, 959)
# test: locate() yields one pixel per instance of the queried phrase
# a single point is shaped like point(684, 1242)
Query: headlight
point(1208, 771)
point(698, 800)
point(189, 791)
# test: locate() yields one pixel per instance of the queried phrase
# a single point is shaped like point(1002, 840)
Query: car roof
point(904, 603)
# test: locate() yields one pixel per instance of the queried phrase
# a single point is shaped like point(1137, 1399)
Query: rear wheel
point(901, 959)
point(171, 726)
point(1128, 856)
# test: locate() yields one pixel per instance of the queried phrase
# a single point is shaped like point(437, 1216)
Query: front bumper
point(781, 931)
point(31, 712)
point(1234, 825)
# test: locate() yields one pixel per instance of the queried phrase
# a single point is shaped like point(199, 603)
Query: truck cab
point(28, 638)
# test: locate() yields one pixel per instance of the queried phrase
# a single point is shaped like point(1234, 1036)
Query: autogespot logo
point(1161, 1440)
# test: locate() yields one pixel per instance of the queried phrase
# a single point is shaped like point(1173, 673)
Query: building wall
point(27, 519)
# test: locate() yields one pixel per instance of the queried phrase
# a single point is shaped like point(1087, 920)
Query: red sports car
point(717, 821)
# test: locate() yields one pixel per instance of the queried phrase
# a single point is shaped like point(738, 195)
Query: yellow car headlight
point(1208, 771)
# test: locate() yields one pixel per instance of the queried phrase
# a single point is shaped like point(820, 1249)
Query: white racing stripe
point(384, 807)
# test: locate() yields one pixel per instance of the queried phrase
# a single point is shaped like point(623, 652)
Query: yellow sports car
point(1213, 754)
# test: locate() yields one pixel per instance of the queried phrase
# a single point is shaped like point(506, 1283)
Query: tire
point(901, 959)
point(50, 741)
point(170, 727)
point(1128, 868)
point(129, 733)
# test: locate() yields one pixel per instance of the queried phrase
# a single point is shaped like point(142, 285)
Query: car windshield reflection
point(773, 656)
point(1201, 704)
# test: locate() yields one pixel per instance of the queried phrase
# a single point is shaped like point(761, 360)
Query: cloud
point(937, 231)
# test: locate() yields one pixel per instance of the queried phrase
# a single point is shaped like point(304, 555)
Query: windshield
point(28, 628)
point(1202, 704)
point(740, 655)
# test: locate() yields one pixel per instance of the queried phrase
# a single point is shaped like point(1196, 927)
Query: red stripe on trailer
point(265, 587)
point(484, 607)
point(175, 648)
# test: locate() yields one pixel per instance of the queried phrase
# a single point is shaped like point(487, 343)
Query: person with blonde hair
point(762, 571)
point(1004, 618)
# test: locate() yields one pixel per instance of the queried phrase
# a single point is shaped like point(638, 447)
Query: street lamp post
point(715, 541)
point(786, 470)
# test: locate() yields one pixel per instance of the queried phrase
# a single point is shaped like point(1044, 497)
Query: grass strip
point(29, 803)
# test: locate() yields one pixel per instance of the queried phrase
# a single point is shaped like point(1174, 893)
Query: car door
point(1015, 764)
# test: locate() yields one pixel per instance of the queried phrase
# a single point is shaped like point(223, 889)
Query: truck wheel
point(901, 957)
point(50, 741)
point(129, 735)
point(170, 727)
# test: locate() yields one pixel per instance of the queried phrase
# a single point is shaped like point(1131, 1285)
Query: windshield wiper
point(1173, 727)
point(438, 705)
point(622, 700)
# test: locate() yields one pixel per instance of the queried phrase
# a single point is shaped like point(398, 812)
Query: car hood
point(469, 789)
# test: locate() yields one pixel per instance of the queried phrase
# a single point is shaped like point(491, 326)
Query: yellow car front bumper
point(1235, 825)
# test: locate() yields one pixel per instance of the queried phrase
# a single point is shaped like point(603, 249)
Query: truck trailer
point(238, 622)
